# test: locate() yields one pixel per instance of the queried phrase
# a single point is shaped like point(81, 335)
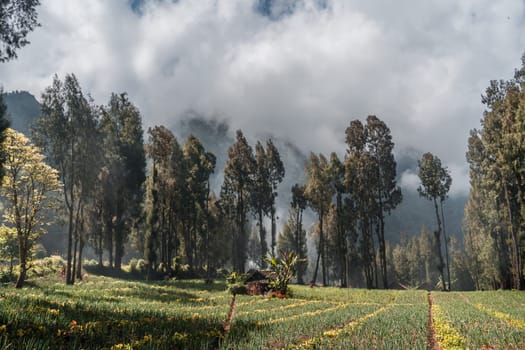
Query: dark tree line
point(351, 198)
point(154, 197)
point(495, 212)
point(99, 153)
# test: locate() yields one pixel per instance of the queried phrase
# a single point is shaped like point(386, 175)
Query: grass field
point(108, 313)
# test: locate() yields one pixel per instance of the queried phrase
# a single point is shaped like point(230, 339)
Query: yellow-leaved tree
point(30, 188)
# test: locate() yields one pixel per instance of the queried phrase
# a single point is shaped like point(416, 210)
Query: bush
point(236, 284)
point(282, 271)
point(141, 266)
point(7, 277)
point(47, 266)
point(162, 268)
point(133, 265)
point(91, 262)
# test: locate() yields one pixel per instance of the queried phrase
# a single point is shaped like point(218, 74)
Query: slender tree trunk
point(163, 243)
point(195, 262)
point(446, 246)
point(241, 236)
point(382, 252)
point(314, 278)
point(100, 252)
point(437, 236)
point(374, 261)
point(273, 229)
point(207, 231)
point(74, 263)
point(79, 262)
point(22, 257)
point(110, 245)
point(298, 229)
point(69, 280)
point(171, 229)
point(319, 251)
point(262, 237)
point(71, 207)
point(516, 265)
point(119, 249)
point(342, 249)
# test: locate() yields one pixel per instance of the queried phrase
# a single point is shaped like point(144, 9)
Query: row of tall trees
point(250, 185)
point(178, 213)
point(169, 213)
point(99, 153)
point(494, 221)
point(351, 198)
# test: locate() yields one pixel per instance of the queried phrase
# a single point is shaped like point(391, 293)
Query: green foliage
point(495, 211)
point(190, 315)
point(282, 270)
point(48, 266)
point(30, 188)
point(4, 124)
point(235, 195)
point(125, 163)
point(413, 261)
point(236, 283)
point(319, 192)
point(17, 19)
point(67, 131)
point(435, 179)
point(141, 266)
point(435, 184)
point(293, 239)
point(8, 244)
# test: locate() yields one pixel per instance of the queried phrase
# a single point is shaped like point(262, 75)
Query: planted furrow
point(516, 323)
point(447, 336)
point(267, 310)
point(334, 333)
point(307, 314)
point(431, 337)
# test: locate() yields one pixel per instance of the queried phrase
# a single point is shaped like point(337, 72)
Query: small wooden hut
point(257, 282)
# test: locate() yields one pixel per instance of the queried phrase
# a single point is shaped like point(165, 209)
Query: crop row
point(474, 320)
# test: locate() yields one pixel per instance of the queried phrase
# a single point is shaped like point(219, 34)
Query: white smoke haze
point(301, 73)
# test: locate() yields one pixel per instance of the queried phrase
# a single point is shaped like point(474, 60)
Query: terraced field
point(106, 313)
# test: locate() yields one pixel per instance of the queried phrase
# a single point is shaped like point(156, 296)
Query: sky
point(297, 69)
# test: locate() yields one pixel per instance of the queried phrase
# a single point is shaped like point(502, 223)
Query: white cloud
point(409, 181)
point(420, 66)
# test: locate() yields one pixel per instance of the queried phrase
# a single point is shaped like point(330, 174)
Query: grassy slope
point(104, 312)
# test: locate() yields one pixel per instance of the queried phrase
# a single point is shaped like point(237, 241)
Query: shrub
point(282, 271)
point(133, 265)
point(47, 266)
point(141, 266)
point(91, 262)
point(236, 284)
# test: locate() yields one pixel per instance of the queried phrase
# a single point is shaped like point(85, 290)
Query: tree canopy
point(17, 19)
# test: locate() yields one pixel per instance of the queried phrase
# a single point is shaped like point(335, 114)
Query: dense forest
point(193, 206)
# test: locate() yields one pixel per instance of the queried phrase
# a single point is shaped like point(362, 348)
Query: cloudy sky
point(299, 69)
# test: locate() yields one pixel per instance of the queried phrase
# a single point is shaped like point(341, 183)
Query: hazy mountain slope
point(22, 110)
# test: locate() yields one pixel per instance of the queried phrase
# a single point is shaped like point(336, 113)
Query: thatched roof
point(258, 276)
